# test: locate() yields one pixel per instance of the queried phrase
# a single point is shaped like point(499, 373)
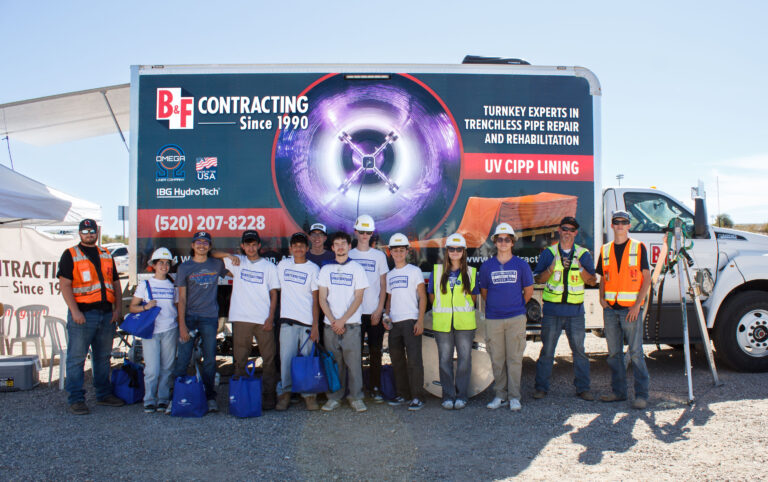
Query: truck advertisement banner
point(425, 154)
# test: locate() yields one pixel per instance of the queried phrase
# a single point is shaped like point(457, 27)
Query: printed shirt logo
point(367, 264)
point(504, 277)
point(206, 167)
point(170, 163)
point(398, 282)
point(293, 276)
point(163, 293)
point(177, 110)
point(250, 276)
point(342, 279)
point(204, 278)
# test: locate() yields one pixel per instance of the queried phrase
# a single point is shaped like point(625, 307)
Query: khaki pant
point(505, 341)
point(242, 340)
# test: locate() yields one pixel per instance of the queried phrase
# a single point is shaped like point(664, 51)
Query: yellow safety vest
point(553, 290)
point(454, 307)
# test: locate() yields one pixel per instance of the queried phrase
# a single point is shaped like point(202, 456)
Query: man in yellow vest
point(564, 268)
point(623, 265)
point(91, 288)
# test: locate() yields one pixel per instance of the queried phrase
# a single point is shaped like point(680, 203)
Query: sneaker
point(311, 402)
point(639, 403)
point(514, 404)
point(397, 401)
point(459, 404)
point(612, 397)
point(586, 395)
point(111, 401)
point(377, 396)
point(149, 408)
point(212, 406)
point(496, 403)
point(447, 404)
point(79, 408)
point(330, 406)
point(168, 408)
point(539, 394)
point(162, 407)
point(358, 405)
point(415, 404)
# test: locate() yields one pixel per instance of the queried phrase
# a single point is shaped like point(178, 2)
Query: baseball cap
point(456, 240)
point(503, 228)
point(570, 220)
point(87, 224)
point(620, 215)
point(202, 235)
point(318, 227)
point(398, 239)
point(250, 235)
point(299, 238)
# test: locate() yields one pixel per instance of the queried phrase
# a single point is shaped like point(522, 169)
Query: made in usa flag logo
point(205, 168)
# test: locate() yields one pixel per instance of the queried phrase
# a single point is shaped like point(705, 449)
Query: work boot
point(639, 403)
point(111, 401)
point(79, 408)
point(586, 395)
point(282, 402)
point(311, 402)
point(612, 397)
point(539, 394)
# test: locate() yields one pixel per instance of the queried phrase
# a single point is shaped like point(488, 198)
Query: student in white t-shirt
point(375, 264)
point(160, 350)
point(299, 314)
point(252, 310)
point(406, 304)
point(341, 285)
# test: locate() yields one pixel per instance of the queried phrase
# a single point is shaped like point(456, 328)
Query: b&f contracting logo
point(177, 110)
point(170, 163)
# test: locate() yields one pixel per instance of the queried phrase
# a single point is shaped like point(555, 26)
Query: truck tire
point(741, 332)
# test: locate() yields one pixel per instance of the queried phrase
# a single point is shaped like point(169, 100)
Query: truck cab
point(730, 268)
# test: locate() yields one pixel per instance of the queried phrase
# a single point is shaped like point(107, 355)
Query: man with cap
point(299, 315)
point(317, 252)
point(198, 282)
point(91, 289)
point(506, 285)
point(252, 311)
point(564, 268)
point(375, 264)
point(623, 266)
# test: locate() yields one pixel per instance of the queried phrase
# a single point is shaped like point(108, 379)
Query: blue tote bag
point(189, 397)
point(307, 372)
point(128, 382)
point(331, 369)
point(141, 324)
point(245, 394)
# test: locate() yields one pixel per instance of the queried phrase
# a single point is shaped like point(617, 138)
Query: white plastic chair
point(33, 314)
point(58, 331)
point(5, 328)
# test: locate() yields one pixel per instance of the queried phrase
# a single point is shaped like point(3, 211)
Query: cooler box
point(19, 372)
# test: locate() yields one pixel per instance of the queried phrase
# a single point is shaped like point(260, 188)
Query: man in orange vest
point(91, 288)
point(623, 265)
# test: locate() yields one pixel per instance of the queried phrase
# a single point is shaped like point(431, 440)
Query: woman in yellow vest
point(453, 292)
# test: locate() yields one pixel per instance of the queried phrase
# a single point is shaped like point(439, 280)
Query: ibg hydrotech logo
point(170, 163)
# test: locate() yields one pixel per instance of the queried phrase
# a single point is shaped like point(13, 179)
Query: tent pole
point(112, 113)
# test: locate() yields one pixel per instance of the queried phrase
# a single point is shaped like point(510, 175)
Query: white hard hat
point(161, 253)
point(456, 240)
point(398, 239)
point(364, 223)
point(503, 228)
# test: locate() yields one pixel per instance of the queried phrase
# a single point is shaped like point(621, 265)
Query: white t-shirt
point(167, 296)
point(297, 282)
point(375, 264)
point(402, 285)
point(342, 280)
point(251, 284)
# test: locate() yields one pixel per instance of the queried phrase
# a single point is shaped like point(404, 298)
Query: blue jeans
point(207, 328)
point(618, 329)
point(97, 333)
point(455, 388)
point(159, 357)
point(551, 327)
point(291, 339)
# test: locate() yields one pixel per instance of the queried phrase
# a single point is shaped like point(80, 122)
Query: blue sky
point(683, 82)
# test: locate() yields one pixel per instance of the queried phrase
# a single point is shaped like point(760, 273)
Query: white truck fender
point(728, 279)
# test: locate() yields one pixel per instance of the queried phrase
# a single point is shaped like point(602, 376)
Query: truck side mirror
point(700, 227)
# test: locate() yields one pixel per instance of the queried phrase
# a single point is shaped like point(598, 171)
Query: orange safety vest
point(85, 279)
point(622, 286)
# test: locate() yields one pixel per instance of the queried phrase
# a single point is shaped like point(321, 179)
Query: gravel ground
point(721, 436)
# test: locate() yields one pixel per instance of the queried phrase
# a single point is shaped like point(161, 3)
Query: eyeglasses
point(88, 231)
point(567, 229)
point(369, 233)
point(620, 222)
point(455, 249)
point(499, 239)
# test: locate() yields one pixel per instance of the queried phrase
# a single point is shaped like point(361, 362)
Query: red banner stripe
point(528, 167)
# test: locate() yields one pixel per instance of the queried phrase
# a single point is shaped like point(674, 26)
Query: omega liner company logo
point(170, 161)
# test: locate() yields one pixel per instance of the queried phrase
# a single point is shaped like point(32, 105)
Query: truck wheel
point(741, 332)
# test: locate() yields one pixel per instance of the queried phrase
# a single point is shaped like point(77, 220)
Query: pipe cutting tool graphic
point(368, 162)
